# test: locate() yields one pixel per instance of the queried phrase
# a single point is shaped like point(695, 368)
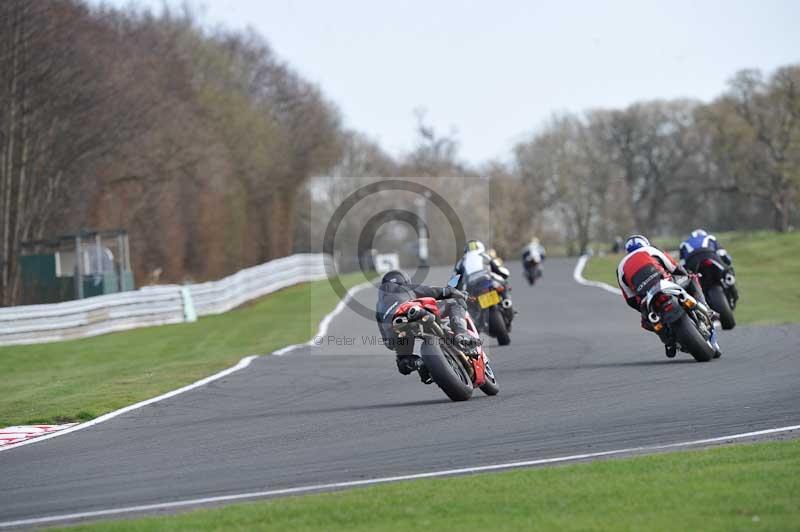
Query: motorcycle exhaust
point(413, 312)
point(653, 317)
point(400, 320)
point(730, 279)
point(506, 303)
point(687, 301)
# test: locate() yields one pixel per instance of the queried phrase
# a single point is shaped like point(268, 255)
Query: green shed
point(85, 264)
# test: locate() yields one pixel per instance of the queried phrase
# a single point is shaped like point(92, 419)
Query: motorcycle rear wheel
point(719, 302)
point(689, 337)
point(497, 326)
point(446, 371)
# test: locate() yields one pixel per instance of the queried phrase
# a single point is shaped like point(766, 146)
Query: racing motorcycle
point(719, 287)
point(532, 270)
point(687, 321)
point(455, 372)
point(493, 313)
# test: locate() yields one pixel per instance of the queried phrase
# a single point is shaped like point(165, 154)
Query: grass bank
point(82, 379)
point(767, 272)
point(745, 487)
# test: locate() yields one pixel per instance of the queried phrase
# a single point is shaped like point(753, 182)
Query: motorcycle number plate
point(489, 299)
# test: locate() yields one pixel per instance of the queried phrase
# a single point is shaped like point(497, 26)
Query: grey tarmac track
point(580, 376)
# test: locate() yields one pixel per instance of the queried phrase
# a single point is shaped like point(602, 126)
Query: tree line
point(202, 144)
point(194, 141)
point(657, 167)
point(664, 167)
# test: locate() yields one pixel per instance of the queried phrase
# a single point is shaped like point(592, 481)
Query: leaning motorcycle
point(455, 372)
point(686, 320)
point(493, 313)
point(719, 287)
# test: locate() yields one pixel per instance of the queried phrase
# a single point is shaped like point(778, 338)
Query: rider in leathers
point(476, 259)
point(533, 255)
point(396, 288)
point(641, 265)
point(701, 245)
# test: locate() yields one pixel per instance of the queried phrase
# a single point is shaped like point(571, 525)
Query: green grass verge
point(745, 487)
point(82, 379)
point(767, 272)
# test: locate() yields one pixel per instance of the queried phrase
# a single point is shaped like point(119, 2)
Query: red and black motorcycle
point(454, 371)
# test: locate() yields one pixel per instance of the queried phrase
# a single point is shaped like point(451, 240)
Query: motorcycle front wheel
point(446, 370)
point(490, 387)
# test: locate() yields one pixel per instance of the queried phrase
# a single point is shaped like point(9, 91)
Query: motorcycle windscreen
point(453, 282)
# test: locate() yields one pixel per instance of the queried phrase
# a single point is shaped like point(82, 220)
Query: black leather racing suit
point(391, 295)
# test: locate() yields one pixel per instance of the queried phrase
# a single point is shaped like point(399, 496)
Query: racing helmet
point(699, 232)
point(397, 277)
point(474, 245)
point(635, 242)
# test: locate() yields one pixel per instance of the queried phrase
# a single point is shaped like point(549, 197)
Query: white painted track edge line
point(326, 321)
point(577, 274)
point(384, 480)
point(243, 363)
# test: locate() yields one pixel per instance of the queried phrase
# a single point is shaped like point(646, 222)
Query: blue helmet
point(699, 232)
point(635, 242)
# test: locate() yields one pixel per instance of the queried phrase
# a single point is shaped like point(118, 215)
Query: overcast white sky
point(496, 69)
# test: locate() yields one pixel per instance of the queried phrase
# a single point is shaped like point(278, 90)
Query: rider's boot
point(406, 364)
point(467, 343)
point(461, 336)
point(669, 345)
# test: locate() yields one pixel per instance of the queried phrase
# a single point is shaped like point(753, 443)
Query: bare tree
point(654, 143)
point(63, 108)
point(756, 146)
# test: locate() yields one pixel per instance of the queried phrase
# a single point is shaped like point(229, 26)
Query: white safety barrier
point(156, 305)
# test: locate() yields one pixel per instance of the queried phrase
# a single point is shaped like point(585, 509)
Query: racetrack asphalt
point(580, 376)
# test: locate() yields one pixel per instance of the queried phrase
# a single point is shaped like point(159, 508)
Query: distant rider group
point(679, 300)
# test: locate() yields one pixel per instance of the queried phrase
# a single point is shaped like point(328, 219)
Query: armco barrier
point(156, 305)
